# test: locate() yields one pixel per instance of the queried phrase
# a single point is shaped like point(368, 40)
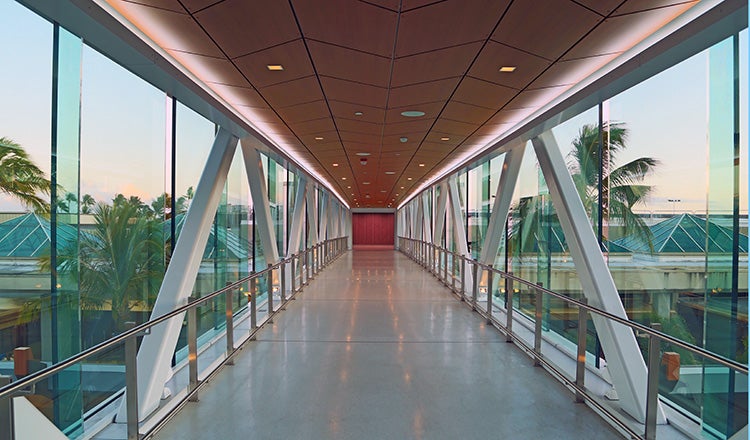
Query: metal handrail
point(742, 368)
point(9, 390)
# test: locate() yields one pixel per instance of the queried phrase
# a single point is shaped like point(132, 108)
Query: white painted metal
point(419, 224)
point(259, 193)
point(155, 353)
point(323, 214)
point(426, 220)
point(458, 220)
point(501, 206)
point(442, 203)
point(312, 213)
point(624, 360)
point(295, 230)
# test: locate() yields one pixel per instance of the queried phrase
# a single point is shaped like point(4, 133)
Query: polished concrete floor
point(376, 348)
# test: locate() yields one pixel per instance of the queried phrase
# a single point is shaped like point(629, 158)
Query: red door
point(373, 228)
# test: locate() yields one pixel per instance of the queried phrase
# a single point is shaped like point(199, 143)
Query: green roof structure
point(28, 236)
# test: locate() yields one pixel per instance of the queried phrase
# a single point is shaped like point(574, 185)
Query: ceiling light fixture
point(421, 164)
point(508, 69)
point(403, 139)
point(408, 178)
point(412, 113)
point(343, 178)
point(390, 172)
point(318, 138)
point(275, 67)
point(383, 191)
point(365, 183)
point(445, 138)
point(358, 113)
point(335, 164)
point(363, 154)
point(349, 187)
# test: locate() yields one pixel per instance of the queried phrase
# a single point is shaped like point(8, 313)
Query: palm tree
point(622, 186)
point(87, 202)
point(21, 178)
point(117, 261)
point(622, 189)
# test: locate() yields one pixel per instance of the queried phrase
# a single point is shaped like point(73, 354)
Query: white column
point(442, 203)
point(157, 348)
point(503, 198)
point(419, 224)
point(312, 213)
point(624, 360)
point(459, 222)
point(324, 215)
point(261, 206)
point(426, 220)
point(295, 230)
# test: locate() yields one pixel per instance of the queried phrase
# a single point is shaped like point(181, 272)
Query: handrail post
point(538, 328)
point(269, 286)
point(192, 336)
point(7, 430)
point(230, 325)
point(308, 269)
point(445, 267)
point(282, 281)
point(294, 277)
point(509, 308)
point(581, 355)
point(253, 303)
point(489, 295)
point(453, 272)
point(462, 272)
point(475, 288)
point(652, 389)
point(131, 385)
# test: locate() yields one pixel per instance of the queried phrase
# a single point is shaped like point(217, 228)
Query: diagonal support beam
point(419, 231)
point(624, 360)
point(459, 224)
point(295, 235)
point(312, 214)
point(427, 221)
point(442, 203)
point(501, 206)
point(157, 348)
point(261, 205)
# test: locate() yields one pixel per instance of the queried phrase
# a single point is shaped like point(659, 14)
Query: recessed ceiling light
point(408, 178)
point(318, 138)
point(349, 187)
point(365, 183)
point(445, 138)
point(335, 164)
point(403, 139)
point(390, 172)
point(402, 187)
point(382, 190)
point(275, 67)
point(508, 68)
point(421, 165)
point(412, 113)
point(396, 196)
point(358, 113)
point(343, 178)
point(363, 154)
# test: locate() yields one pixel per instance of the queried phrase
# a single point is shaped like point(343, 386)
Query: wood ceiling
point(350, 68)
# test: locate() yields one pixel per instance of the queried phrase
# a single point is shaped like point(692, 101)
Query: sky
point(123, 124)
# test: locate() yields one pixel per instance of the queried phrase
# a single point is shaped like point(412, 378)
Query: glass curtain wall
point(668, 207)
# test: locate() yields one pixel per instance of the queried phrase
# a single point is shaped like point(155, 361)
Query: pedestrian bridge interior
point(374, 219)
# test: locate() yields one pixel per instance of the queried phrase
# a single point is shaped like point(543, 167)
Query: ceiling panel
point(357, 25)
point(241, 27)
point(339, 62)
point(353, 92)
point(161, 25)
point(430, 66)
point(359, 126)
point(371, 140)
point(195, 5)
point(483, 93)
point(618, 34)
point(496, 55)
point(535, 98)
point(439, 90)
point(631, 6)
point(246, 96)
point(454, 127)
point(459, 111)
point(430, 109)
point(170, 5)
point(292, 56)
point(603, 7)
point(425, 29)
point(525, 28)
point(569, 72)
point(317, 127)
point(347, 111)
point(304, 112)
point(402, 128)
point(210, 69)
point(293, 92)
